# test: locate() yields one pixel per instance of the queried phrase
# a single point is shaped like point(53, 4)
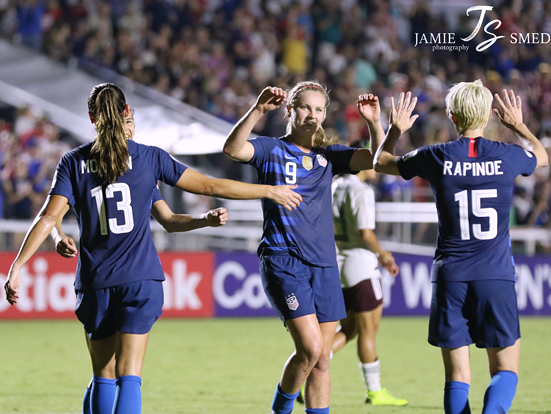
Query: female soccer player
point(297, 252)
point(110, 182)
point(473, 274)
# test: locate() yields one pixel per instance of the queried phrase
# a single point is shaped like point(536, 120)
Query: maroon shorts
point(365, 296)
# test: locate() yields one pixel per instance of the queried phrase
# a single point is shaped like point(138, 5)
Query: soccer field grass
point(222, 366)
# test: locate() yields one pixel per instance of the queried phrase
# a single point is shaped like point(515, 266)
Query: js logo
point(489, 42)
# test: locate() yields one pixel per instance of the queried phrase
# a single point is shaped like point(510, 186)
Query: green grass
point(220, 366)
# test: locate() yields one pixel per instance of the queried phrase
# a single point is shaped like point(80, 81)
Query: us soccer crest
point(307, 163)
point(322, 160)
point(292, 302)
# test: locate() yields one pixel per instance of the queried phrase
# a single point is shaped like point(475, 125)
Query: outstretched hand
point(400, 115)
point(369, 108)
point(65, 246)
point(217, 217)
point(11, 287)
point(510, 109)
point(270, 98)
point(285, 196)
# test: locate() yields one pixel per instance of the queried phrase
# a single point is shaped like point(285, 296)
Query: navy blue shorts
point(483, 312)
point(296, 288)
point(129, 308)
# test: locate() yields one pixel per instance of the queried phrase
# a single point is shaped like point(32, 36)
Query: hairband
point(304, 87)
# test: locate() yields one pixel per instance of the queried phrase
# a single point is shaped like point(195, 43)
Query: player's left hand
point(217, 217)
point(387, 261)
point(12, 284)
point(65, 246)
point(400, 115)
point(510, 109)
point(369, 108)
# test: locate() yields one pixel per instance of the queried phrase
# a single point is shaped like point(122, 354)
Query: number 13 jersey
point(116, 246)
point(472, 181)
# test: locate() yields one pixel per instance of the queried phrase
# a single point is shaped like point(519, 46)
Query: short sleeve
point(169, 169)
point(61, 184)
point(156, 196)
point(364, 209)
point(418, 162)
point(263, 147)
point(340, 156)
point(521, 161)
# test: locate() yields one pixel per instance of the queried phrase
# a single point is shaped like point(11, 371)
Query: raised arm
point(510, 115)
point(197, 183)
point(400, 121)
point(173, 222)
point(237, 145)
point(41, 227)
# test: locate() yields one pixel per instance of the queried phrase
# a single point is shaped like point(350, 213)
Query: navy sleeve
point(263, 147)
point(340, 156)
point(167, 168)
point(521, 161)
point(61, 184)
point(418, 162)
point(156, 196)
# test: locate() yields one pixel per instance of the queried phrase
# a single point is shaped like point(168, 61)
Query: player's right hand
point(217, 217)
point(387, 261)
point(285, 196)
point(400, 115)
point(369, 108)
point(510, 109)
point(65, 246)
point(11, 287)
point(270, 98)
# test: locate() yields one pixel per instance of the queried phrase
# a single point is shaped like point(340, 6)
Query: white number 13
point(123, 205)
point(478, 211)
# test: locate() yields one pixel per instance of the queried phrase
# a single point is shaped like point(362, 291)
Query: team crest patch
point(322, 160)
point(292, 302)
point(307, 163)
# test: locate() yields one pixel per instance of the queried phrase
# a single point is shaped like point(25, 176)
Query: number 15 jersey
point(116, 246)
point(472, 181)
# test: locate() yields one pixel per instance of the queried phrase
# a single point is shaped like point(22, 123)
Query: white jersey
point(353, 210)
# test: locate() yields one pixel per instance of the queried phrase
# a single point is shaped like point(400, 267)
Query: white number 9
point(291, 173)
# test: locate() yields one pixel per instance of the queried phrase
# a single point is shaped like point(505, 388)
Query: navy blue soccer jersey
point(472, 181)
point(306, 232)
point(116, 246)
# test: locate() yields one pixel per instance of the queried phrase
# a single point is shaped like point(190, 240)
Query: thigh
point(286, 284)
point(138, 306)
point(496, 323)
point(450, 323)
point(368, 322)
point(327, 291)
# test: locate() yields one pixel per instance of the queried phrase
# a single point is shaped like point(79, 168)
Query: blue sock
point(102, 395)
point(500, 393)
point(283, 403)
point(129, 395)
point(86, 408)
point(316, 410)
point(456, 398)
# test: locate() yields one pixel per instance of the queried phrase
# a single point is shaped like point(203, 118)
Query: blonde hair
point(107, 103)
point(470, 103)
point(320, 138)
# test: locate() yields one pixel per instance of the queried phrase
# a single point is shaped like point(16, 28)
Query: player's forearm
point(376, 135)
point(185, 222)
point(39, 231)
point(236, 190)
point(371, 242)
point(531, 143)
point(241, 132)
point(384, 161)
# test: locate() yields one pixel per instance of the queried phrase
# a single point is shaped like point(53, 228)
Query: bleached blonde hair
point(321, 139)
point(470, 103)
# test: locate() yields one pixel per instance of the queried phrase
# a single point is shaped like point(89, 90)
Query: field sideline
point(222, 366)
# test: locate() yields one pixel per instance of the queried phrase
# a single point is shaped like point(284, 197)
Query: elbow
point(228, 150)
point(545, 160)
point(378, 167)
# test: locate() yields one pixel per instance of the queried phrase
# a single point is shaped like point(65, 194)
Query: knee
point(311, 352)
point(322, 363)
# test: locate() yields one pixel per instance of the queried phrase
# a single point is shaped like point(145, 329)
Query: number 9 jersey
point(116, 246)
point(472, 181)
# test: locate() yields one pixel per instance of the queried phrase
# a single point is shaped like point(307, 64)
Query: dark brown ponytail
point(107, 104)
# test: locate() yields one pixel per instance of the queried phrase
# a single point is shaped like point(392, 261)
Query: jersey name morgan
point(472, 182)
point(306, 232)
point(116, 246)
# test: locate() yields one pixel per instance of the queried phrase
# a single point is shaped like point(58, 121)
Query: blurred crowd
point(217, 55)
